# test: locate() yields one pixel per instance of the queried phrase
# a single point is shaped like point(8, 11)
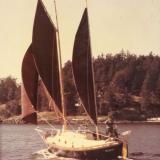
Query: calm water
point(21, 142)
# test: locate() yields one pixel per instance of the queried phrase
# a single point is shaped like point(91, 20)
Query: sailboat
point(42, 61)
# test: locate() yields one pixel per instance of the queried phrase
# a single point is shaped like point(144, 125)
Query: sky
point(132, 25)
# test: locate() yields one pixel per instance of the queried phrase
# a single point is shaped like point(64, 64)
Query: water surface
point(21, 142)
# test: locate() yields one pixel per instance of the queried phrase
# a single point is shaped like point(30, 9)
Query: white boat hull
point(84, 146)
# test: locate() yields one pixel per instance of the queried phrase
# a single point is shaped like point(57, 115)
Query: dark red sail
point(83, 68)
point(41, 60)
point(29, 88)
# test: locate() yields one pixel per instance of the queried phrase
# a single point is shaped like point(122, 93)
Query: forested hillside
point(126, 84)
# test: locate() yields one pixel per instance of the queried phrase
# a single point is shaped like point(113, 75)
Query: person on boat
point(111, 130)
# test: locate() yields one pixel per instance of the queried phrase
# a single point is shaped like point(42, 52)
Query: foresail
point(83, 68)
point(41, 60)
point(44, 46)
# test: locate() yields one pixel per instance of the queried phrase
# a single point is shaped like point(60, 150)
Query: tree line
point(126, 85)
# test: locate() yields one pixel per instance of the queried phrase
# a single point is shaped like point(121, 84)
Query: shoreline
point(16, 120)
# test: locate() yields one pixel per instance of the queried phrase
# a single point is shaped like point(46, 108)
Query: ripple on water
point(144, 156)
point(18, 142)
point(45, 154)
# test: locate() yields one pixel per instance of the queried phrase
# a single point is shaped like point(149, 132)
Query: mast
point(83, 68)
point(60, 70)
point(96, 125)
point(86, 3)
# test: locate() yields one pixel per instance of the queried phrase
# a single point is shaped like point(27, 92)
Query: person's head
point(110, 115)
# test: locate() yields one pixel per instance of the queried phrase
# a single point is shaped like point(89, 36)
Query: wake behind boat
point(42, 61)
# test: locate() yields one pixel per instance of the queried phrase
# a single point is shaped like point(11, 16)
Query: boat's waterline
point(69, 140)
point(83, 145)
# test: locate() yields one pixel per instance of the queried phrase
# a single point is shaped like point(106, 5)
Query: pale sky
point(133, 25)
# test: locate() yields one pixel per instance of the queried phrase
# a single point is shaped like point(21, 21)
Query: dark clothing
point(110, 129)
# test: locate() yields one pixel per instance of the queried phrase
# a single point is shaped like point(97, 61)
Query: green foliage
point(9, 89)
point(124, 82)
point(10, 97)
point(119, 79)
point(69, 89)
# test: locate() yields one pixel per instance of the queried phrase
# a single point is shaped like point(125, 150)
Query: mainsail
point(83, 68)
point(41, 59)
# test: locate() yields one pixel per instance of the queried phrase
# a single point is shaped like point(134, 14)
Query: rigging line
point(86, 111)
point(57, 113)
point(88, 92)
point(52, 106)
point(51, 124)
point(79, 99)
point(92, 68)
point(88, 99)
point(86, 3)
point(49, 17)
point(50, 102)
point(60, 69)
point(45, 120)
point(93, 80)
point(46, 90)
point(70, 125)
